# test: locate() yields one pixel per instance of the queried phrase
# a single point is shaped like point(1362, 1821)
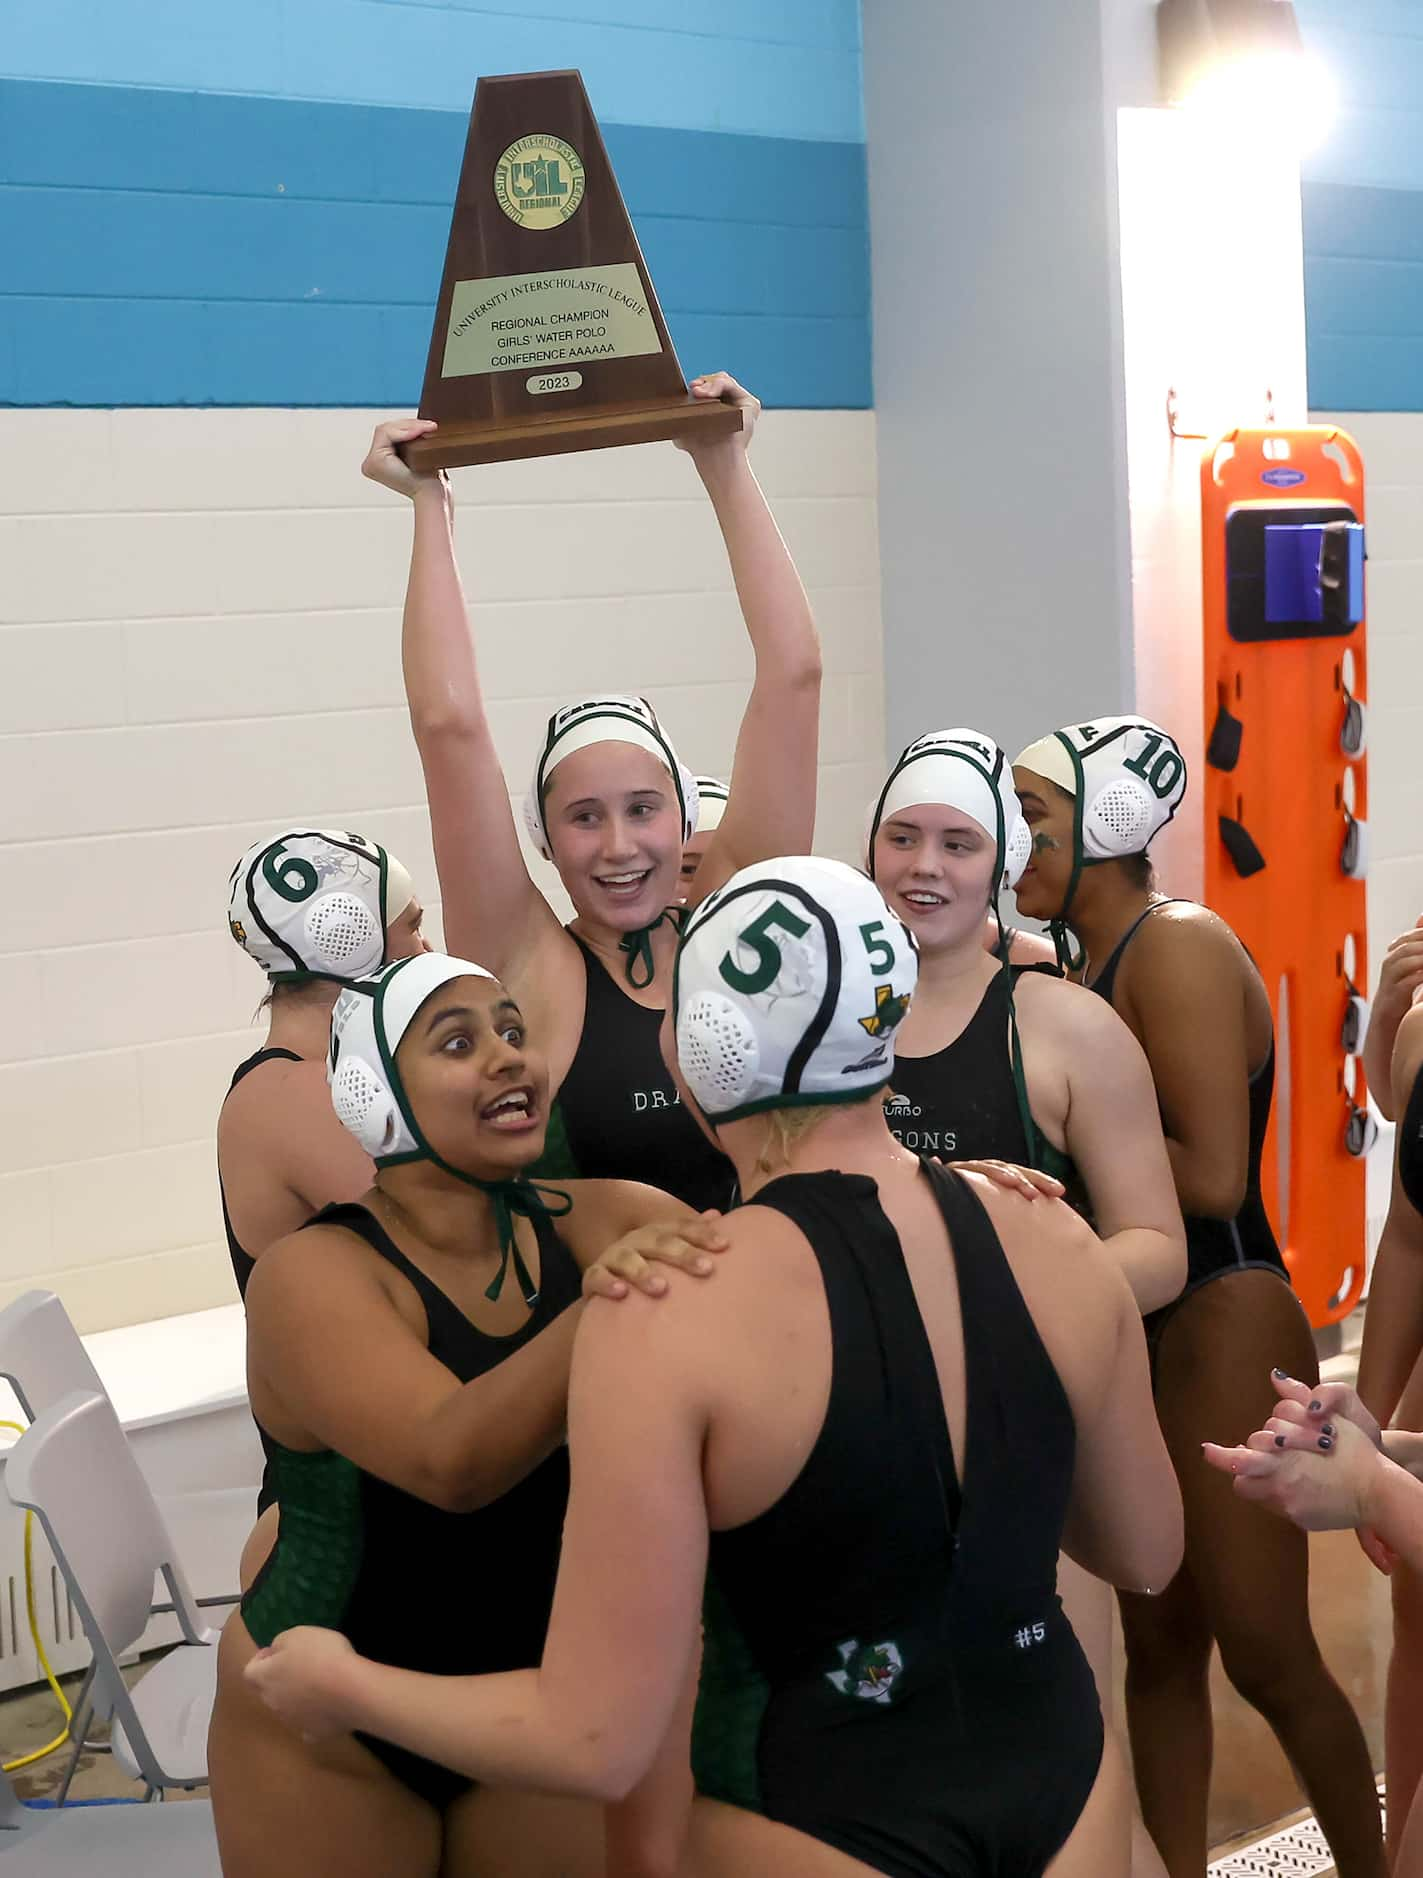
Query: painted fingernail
point(1283, 1374)
point(1327, 1429)
point(1316, 1408)
point(1325, 1442)
point(1279, 1441)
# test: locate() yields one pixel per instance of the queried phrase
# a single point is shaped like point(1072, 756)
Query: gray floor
point(31, 1718)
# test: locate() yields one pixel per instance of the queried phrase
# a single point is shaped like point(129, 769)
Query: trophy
point(548, 336)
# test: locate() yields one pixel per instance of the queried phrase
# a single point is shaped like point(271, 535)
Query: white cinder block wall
point(199, 642)
point(1392, 444)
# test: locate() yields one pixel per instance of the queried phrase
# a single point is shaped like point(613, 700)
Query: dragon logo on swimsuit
point(868, 1671)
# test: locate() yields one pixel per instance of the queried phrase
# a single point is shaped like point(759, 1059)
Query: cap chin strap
point(519, 1196)
point(1070, 955)
point(525, 1197)
point(637, 944)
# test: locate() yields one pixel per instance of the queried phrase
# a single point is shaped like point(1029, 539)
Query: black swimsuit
point(1217, 1247)
point(1410, 1146)
point(618, 1115)
point(887, 1667)
point(453, 1594)
point(243, 1262)
point(961, 1103)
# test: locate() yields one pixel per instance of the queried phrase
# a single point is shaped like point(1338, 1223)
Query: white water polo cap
point(712, 797)
point(610, 719)
point(315, 903)
point(367, 1025)
point(790, 983)
point(1127, 775)
point(963, 770)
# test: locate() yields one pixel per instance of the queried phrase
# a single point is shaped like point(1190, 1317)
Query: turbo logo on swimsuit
point(899, 1110)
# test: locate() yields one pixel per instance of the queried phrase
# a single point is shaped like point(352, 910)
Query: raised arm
point(1393, 1323)
point(1114, 1136)
point(593, 1717)
point(492, 911)
point(771, 806)
point(1400, 981)
point(320, 1324)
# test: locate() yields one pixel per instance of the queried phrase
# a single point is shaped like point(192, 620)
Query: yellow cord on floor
point(28, 1760)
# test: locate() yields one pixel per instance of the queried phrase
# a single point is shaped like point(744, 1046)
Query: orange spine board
point(1301, 916)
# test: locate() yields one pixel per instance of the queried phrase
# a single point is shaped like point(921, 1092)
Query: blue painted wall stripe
point(167, 248)
point(1364, 297)
point(121, 137)
point(792, 70)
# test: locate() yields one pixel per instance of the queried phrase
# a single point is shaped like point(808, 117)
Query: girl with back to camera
point(316, 909)
point(879, 1466)
point(1095, 795)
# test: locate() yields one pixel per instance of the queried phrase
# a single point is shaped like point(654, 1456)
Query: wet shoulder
point(1182, 936)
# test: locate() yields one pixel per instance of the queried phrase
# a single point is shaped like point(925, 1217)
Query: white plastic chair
point(42, 1355)
point(73, 1468)
point(175, 1841)
point(43, 1358)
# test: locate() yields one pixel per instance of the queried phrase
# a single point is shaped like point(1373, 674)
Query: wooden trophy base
point(456, 444)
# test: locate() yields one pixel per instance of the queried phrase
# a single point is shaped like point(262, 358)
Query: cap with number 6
point(790, 983)
point(315, 903)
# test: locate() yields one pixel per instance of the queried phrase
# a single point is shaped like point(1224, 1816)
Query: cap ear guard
point(365, 1106)
point(343, 933)
point(534, 827)
point(1019, 851)
point(1118, 820)
point(717, 1051)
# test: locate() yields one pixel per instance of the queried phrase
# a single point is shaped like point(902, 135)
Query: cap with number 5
point(315, 903)
point(790, 983)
